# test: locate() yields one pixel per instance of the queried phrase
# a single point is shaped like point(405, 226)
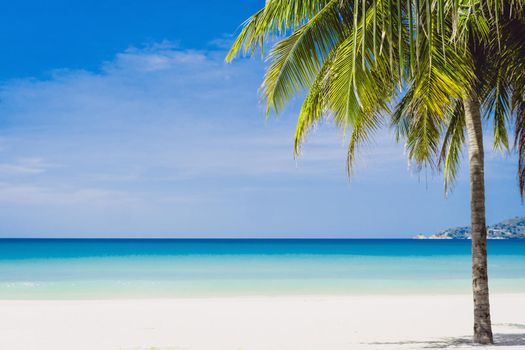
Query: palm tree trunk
point(480, 285)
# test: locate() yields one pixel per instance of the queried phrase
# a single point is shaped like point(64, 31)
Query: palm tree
point(429, 68)
point(496, 88)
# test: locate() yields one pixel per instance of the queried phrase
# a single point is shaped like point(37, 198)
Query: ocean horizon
point(165, 268)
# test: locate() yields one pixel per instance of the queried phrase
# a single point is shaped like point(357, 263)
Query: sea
point(195, 268)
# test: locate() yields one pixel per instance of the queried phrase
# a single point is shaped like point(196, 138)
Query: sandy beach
point(256, 323)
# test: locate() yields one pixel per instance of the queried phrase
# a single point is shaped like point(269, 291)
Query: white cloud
point(25, 166)
point(58, 196)
point(184, 112)
point(167, 136)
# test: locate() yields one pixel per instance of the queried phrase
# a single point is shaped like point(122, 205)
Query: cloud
point(28, 194)
point(157, 111)
point(177, 140)
point(224, 43)
point(25, 166)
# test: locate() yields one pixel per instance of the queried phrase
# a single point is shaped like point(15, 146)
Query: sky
point(121, 119)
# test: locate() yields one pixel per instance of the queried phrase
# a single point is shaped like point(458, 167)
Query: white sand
point(257, 323)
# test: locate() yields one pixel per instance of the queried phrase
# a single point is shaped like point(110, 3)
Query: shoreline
point(216, 297)
point(304, 322)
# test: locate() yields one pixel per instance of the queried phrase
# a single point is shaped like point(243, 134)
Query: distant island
point(508, 229)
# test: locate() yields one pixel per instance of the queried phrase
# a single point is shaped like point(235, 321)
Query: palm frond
point(452, 144)
point(519, 142)
point(276, 19)
point(314, 105)
point(359, 59)
point(296, 60)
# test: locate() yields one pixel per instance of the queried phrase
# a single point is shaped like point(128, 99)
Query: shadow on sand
point(500, 339)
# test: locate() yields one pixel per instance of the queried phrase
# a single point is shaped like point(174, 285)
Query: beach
point(252, 294)
point(257, 323)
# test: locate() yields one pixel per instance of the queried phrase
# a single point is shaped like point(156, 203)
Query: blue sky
point(122, 119)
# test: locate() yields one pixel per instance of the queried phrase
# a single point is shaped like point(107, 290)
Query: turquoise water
point(42, 269)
